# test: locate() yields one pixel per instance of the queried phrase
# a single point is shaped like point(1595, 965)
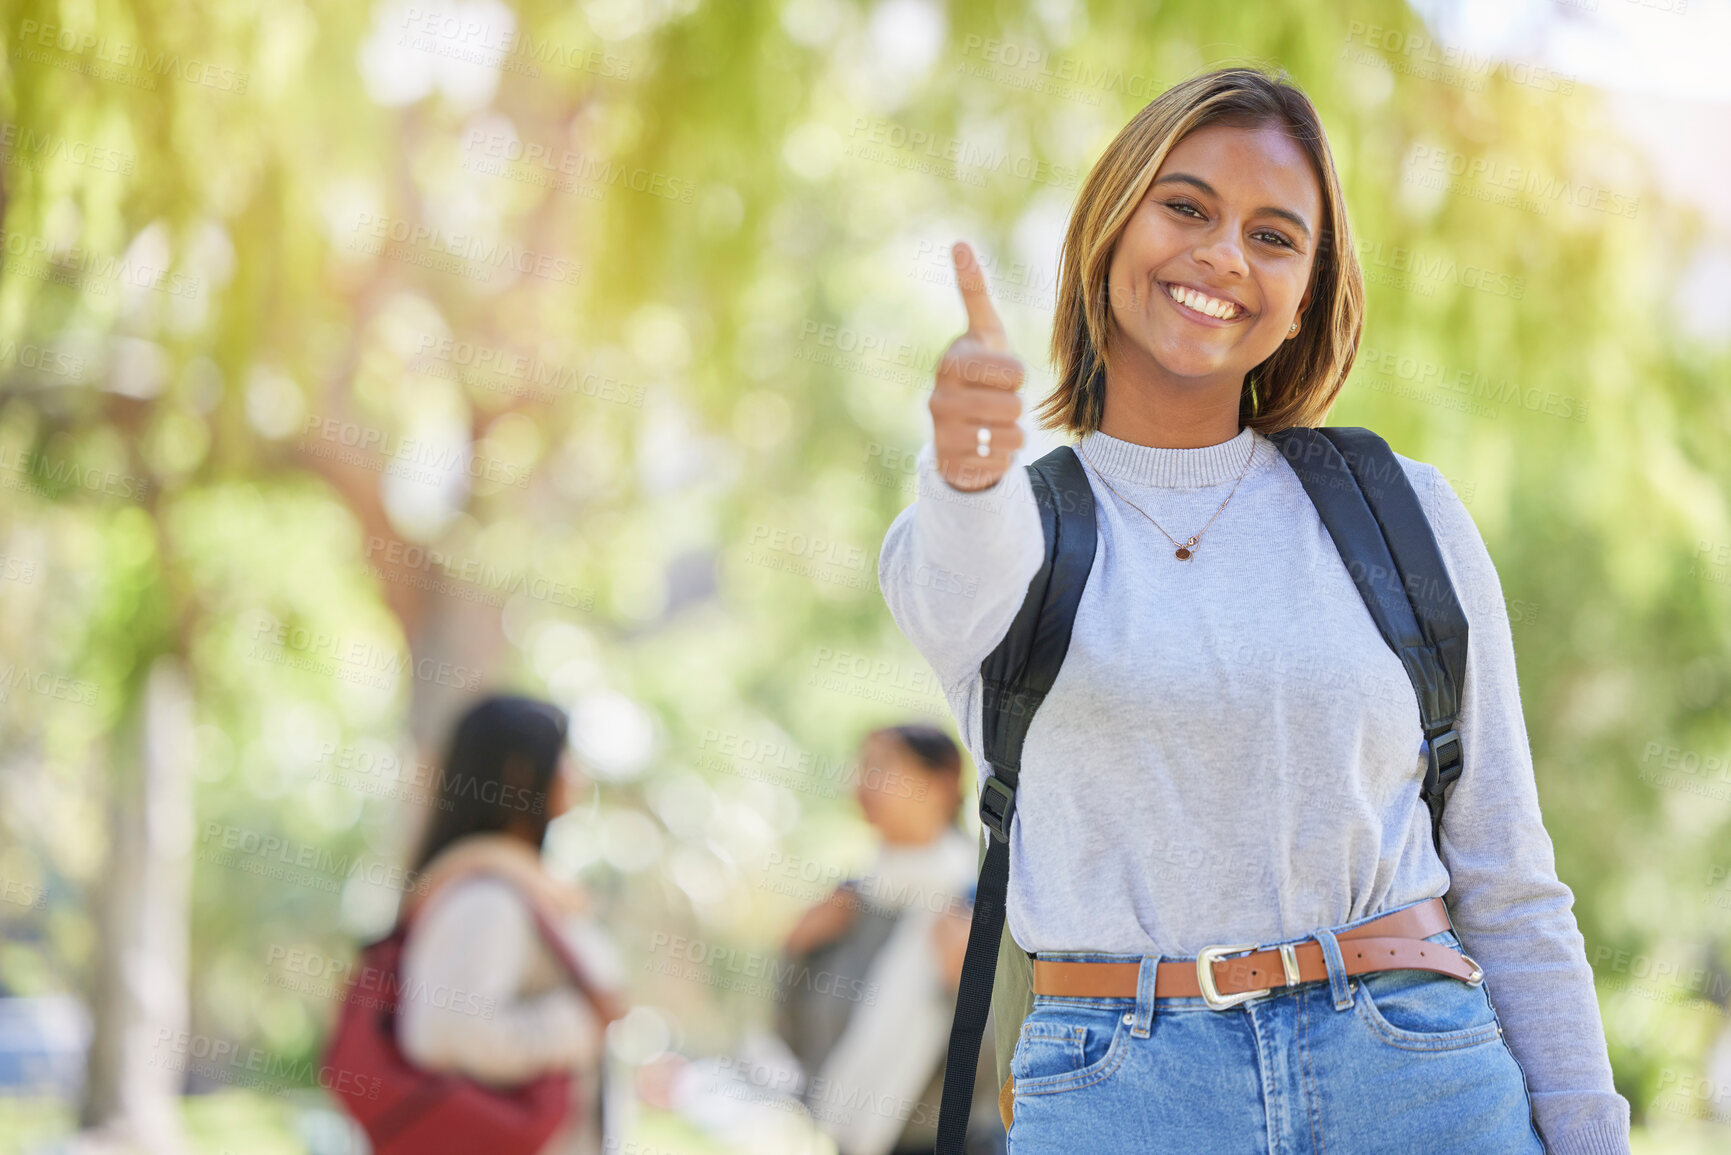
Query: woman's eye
point(1276, 238)
point(1182, 205)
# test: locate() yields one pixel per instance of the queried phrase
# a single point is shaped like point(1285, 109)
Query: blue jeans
point(1396, 1061)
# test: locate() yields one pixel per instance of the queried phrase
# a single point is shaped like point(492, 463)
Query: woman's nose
point(1222, 253)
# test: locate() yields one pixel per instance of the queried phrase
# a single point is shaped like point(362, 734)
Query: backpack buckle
point(1444, 752)
point(997, 807)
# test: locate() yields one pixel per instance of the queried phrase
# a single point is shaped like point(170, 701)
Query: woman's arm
point(1514, 916)
point(823, 922)
point(956, 565)
point(459, 1008)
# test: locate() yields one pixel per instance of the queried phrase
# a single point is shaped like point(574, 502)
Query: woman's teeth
point(1224, 310)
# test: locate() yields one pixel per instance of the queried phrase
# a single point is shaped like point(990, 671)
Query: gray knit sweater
point(1231, 752)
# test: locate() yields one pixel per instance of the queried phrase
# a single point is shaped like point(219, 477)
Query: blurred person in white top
point(867, 978)
point(494, 1003)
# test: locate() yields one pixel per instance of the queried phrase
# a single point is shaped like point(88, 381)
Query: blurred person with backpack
point(869, 998)
point(866, 981)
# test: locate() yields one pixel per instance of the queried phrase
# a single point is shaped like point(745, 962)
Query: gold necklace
point(1188, 548)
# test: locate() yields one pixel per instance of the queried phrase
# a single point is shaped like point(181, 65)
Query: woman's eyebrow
point(1271, 210)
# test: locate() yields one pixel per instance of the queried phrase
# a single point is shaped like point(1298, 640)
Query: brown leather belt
point(1392, 942)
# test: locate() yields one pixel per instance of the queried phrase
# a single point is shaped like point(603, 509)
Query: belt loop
point(1337, 984)
point(1145, 980)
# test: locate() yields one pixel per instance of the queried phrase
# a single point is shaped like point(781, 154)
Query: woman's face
point(905, 804)
point(1233, 213)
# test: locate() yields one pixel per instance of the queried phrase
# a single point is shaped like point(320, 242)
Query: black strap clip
point(997, 807)
point(1444, 751)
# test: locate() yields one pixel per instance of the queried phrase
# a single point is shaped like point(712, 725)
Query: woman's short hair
point(934, 750)
point(1298, 383)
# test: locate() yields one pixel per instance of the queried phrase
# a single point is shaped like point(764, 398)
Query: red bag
point(406, 1110)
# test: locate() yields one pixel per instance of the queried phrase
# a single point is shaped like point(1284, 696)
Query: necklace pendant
point(1183, 553)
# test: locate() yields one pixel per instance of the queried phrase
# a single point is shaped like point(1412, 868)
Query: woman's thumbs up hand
point(977, 379)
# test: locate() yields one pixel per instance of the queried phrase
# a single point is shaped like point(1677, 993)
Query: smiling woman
point(1209, 304)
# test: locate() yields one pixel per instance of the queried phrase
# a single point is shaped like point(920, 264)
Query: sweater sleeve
point(956, 565)
point(1513, 914)
point(459, 1008)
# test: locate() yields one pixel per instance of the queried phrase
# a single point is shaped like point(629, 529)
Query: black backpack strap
point(1015, 678)
point(1362, 493)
